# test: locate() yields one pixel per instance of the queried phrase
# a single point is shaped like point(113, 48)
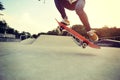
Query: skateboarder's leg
point(60, 7)
point(81, 13)
point(84, 19)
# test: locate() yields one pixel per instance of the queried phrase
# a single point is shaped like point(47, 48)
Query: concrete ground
point(57, 58)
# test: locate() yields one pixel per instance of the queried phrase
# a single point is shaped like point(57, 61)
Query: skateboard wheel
point(84, 45)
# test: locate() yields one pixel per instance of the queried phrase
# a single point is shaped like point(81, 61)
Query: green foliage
point(53, 32)
point(4, 28)
point(80, 29)
point(104, 32)
point(108, 32)
point(3, 24)
point(1, 6)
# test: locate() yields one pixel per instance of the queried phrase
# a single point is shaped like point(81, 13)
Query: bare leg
point(82, 15)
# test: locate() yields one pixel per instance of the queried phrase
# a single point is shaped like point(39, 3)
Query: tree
point(24, 35)
point(80, 29)
point(28, 34)
point(10, 31)
point(1, 6)
point(34, 36)
point(3, 26)
point(17, 34)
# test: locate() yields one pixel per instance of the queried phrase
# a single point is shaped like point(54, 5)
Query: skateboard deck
point(84, 42)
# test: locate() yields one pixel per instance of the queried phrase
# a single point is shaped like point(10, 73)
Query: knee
point(79, 11)
point(79, 8)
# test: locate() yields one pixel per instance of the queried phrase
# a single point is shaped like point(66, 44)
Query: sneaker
point(66, 21)
point(92, 35)
point(60, 30)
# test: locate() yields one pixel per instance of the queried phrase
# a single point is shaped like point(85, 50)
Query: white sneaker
point(66, 21)
point(60, 30)
point(92, 35)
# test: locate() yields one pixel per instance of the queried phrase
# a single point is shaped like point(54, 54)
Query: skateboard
point(82, 40)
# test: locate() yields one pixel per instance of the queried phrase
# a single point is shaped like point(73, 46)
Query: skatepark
point(57, 58)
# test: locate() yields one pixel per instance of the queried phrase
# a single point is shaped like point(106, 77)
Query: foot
point(92, 35)
point(65, 21)
point(60, 30)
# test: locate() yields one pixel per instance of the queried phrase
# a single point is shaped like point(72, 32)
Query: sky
point(36, 16)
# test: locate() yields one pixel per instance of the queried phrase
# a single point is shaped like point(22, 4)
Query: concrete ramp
point(50, 40)
point(28, 41)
